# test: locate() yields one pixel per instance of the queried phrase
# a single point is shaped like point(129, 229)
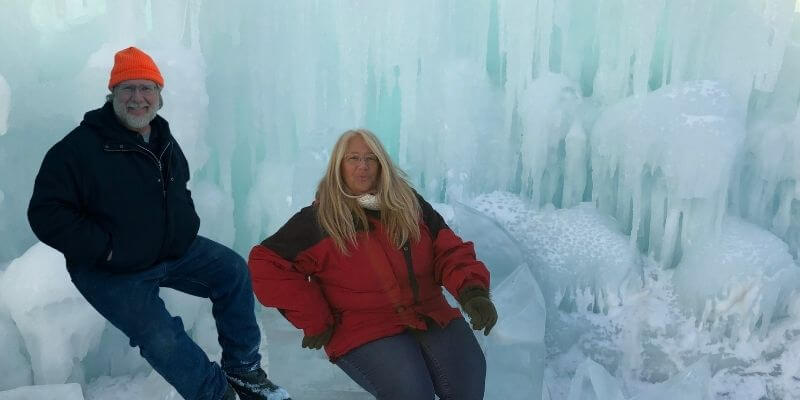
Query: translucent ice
point(515, 350)
point(554, 146)
point(647, 152)
point(739, 284)
point(468, 96)
point(493, 245)
point(5, 104)
point(140, 386)
point(593, 382)
point(15, 369)
point(57, 324)
point(691, 384)
point(70, 391)
point(768, 192)
point(582, 259)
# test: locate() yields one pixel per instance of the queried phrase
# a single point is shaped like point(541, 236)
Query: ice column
point(662, 163)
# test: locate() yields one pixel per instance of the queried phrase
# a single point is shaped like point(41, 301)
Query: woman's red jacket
point(370, 293)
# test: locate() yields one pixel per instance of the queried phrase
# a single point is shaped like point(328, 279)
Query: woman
point(361, 272)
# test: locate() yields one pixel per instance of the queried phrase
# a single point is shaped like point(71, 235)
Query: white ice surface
point(57, 324)
point(69, 391)
point(5, 106)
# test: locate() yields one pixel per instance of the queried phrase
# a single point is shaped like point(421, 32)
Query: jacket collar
point(106, 125)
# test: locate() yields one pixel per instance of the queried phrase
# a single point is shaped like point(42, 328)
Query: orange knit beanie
point(133, 63)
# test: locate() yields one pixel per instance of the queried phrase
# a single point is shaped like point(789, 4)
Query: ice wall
point(469, 96)
point(665, 114)
point(5, 103)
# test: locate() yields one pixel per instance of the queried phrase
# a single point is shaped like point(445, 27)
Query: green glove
point(317, 341)
point(475, 302)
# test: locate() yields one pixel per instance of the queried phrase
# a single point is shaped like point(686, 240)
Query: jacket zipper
point(146, 151)
point(412, 278)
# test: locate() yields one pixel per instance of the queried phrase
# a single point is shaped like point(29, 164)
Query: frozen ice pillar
point(5, 105)
point(661, 164)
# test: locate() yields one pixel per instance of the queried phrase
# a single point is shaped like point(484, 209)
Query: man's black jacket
point(99, 189)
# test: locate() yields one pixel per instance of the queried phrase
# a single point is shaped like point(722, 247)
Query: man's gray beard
point(131, 121)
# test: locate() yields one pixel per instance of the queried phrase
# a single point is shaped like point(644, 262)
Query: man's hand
point(317, 341)
point(475, 302)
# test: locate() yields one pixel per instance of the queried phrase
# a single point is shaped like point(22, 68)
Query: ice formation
point(69, 391)
point(593, 382)
point(582, 259)
point(5, 105)
point(738, 285)
point(57, 324)
point(623, 138)
point(661, 164)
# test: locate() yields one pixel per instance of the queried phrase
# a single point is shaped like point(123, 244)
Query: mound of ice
point(295, 368)
point(113, 356)
point(593, 382)
point(70, 391)
point(661, 164)
point(581, 259)
point(57, 324)
point(691, 384)
point(15, 369)
point(737, 285)
point(136, 387)
point(493, 245)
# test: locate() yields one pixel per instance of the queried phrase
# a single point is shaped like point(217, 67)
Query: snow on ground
point(648, 338)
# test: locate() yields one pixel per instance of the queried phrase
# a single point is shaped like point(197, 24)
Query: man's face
point(136, 103)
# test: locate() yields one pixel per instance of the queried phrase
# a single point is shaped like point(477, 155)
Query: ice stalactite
point(739, 285)
point(661, 165)
point(554, 143)
point(5, 106)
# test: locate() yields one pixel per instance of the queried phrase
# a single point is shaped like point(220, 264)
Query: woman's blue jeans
point(131, 303)
point(414, 365)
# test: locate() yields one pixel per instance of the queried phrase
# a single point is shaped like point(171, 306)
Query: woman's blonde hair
point(339, 213)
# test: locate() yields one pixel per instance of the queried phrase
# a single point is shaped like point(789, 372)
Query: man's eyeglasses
point(130, 90)
point(356, 159)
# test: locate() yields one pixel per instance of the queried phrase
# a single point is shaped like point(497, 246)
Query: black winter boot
point(230, 394)
point(254, 385)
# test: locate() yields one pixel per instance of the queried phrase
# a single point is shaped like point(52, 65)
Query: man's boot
point(230, 394)
point(254, 385)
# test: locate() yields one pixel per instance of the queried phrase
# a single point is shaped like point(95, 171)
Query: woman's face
point(360, 167)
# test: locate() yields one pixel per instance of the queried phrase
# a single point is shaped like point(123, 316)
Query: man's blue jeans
point(447, 361)
point(131, 303)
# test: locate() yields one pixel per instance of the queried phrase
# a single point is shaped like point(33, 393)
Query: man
point(112, 197)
